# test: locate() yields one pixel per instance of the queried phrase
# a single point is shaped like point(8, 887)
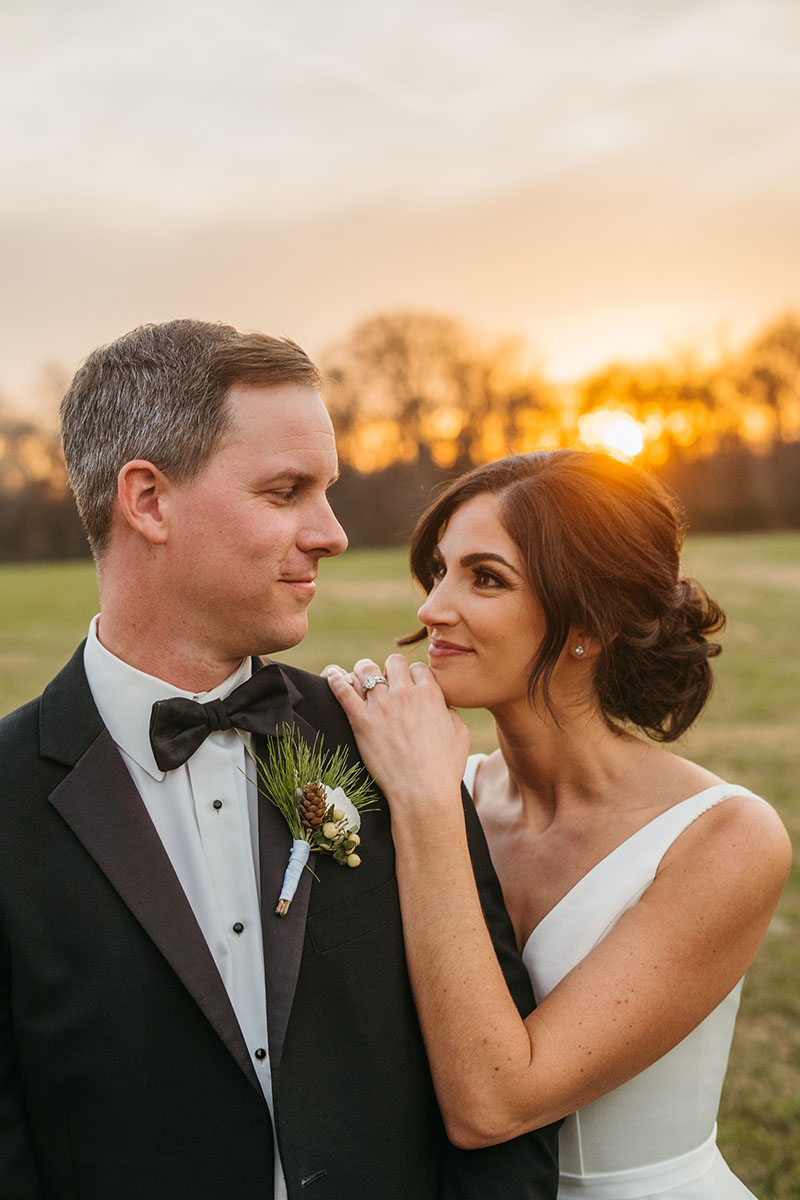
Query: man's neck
point(140, 625)
point(191, 669)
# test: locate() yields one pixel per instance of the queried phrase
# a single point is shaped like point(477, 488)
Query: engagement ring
point(372, 681)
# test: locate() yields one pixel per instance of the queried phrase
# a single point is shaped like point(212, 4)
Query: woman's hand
point(413, 745)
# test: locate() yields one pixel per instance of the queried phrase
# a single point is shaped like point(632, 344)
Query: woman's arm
point(666, 964)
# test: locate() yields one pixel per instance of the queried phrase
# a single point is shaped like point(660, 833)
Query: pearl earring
point(579, 651)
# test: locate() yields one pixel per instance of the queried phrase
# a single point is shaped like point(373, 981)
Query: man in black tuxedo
point(163, 1034)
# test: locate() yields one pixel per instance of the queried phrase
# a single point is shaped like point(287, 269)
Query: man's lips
point(439, 648)
point(305, 585)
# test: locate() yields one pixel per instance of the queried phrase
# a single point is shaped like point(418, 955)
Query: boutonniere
point(321, 799)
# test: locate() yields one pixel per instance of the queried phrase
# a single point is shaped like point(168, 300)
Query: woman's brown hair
point(600, 540)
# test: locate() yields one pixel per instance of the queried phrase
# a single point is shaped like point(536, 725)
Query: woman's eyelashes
point(488, 579)
point(483, 577)
point(437, 568)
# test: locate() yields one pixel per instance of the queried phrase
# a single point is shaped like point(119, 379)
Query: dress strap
point(473, 762)
point(662, 831)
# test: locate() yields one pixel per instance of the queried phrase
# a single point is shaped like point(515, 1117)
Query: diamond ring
point(371, 681)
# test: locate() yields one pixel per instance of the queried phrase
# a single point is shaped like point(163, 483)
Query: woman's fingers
point(410, 741)
point(388, 691)
point(332, 667)
point(367, 680)
point(397, 670)
point(335, 669)
point(367, 672)
point(353, 689)
point(347, 690)
point(422, 675)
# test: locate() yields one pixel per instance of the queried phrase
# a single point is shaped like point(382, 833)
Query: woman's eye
point(488, 579)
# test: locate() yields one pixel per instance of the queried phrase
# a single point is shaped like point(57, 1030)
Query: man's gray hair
point(159, 393)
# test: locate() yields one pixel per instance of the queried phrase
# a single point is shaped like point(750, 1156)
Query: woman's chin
point(456, 697)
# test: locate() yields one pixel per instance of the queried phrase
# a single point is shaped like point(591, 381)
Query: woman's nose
point(435, 610)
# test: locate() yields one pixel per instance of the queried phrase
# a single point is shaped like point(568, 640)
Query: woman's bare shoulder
point(489, 772)
point(741, 837)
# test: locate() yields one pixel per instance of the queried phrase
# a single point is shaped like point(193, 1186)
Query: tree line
point(417, 398)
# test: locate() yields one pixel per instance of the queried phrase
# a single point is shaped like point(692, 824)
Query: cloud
point(230, 108)
point(518, 162)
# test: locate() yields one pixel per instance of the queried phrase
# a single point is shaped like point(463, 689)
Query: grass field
point(749, 733)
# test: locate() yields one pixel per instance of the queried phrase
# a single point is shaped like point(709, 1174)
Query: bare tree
point(419, 385)
point(770, 376)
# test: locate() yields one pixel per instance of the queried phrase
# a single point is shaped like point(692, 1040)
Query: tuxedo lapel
point(284, 937)
point(100, 803)
point(315, 713)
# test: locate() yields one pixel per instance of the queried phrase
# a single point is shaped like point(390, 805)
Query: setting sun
point(612, 430)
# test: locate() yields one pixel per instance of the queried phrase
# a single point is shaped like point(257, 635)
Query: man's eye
point(283, 494)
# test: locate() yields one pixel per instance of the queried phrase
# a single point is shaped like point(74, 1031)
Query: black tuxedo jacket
point(123, 1072)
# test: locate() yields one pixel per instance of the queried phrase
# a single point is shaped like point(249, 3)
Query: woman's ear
point(141, 491)
point(583, 647)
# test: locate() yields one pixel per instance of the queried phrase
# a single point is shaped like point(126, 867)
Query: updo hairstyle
point(600, 541)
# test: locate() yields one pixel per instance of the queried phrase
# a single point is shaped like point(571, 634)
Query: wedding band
point(371, 681)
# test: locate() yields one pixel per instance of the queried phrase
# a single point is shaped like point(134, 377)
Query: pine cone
point(312, 805)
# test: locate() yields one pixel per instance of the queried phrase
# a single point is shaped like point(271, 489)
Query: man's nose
point(327, 538)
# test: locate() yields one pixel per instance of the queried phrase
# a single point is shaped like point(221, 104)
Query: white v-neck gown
point(653, 1138)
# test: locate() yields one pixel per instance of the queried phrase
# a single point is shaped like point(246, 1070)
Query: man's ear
point(142, 490)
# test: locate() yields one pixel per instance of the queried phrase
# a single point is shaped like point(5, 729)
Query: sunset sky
point(606, 177)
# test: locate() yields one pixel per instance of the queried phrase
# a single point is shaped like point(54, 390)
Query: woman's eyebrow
point(469, 560)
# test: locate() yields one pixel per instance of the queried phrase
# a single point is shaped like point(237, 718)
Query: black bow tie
point(179, 726)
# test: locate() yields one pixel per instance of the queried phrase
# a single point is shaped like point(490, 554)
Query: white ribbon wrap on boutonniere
point(294, 869)
point(321, 799)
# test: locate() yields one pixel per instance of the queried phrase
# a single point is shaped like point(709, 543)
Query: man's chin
point(283, 639)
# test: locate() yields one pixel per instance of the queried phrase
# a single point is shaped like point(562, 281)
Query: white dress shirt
point(206, 815)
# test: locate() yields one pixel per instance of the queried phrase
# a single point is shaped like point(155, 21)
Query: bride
point(640, 884)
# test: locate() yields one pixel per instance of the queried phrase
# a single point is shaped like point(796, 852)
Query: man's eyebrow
point(296, 475)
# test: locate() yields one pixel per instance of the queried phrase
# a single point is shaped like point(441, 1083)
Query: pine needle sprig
point(290, 763)
point(319, 796)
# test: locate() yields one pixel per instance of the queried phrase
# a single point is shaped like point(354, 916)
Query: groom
point(163, 1034)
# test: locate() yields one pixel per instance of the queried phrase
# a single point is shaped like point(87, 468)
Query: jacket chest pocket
point(368, 913)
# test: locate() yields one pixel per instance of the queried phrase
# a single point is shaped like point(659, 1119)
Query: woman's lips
point(439, 649)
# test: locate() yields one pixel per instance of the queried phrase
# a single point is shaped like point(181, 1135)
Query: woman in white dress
point(640, 884)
